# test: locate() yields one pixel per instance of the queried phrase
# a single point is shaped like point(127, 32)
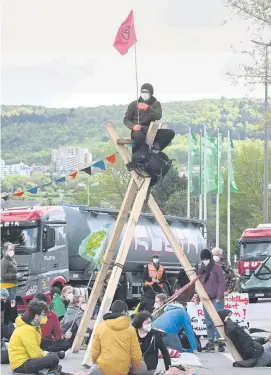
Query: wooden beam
point(143, 185)
point(124, 141)
point(107, 259)
point(125, 155)
point(119, 263)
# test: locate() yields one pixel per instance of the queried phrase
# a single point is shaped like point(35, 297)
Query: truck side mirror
point(48, 238)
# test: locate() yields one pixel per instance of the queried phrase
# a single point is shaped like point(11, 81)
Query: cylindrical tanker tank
point(147, 241)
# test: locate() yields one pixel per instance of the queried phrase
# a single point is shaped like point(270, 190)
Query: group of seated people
point(44, 333)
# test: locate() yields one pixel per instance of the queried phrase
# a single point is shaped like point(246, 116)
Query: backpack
point(148, 163)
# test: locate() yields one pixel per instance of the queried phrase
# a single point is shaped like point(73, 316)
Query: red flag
point(126, 36)
point(73, 174)
point(18, 194)
point(111, 158)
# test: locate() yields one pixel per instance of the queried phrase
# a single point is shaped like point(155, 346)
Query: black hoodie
point(153, 113)
point(248, 349)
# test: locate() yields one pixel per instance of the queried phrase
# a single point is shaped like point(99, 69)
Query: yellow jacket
point(24, 344)
point(115, 346)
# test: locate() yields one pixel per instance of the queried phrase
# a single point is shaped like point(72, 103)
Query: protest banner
point(236, 302)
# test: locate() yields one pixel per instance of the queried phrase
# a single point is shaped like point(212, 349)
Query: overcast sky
point(59, 52)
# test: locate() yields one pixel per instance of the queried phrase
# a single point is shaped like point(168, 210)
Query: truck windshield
point(257, 250)
point(24, 238)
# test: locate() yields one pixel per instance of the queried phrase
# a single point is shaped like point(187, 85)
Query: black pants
point(55, 346)
point(162, 139)
point(4, 357)
point(33, 366)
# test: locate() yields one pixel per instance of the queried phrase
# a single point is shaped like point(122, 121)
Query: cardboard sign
point(236, 302)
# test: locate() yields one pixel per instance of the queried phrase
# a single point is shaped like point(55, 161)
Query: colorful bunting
point(111, 158)
point(99, 164)
point(60, 179)
point(87, 170)
point(73, 174)
point(5, 197)
point(18, 194)
point(47, 184)
point(33, 190)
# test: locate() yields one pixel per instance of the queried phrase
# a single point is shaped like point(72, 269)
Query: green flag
point(220, 180)
point(211, 155)
point(234, 188)
point(193, 150)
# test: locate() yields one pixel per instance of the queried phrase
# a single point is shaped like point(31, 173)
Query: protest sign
point(236, 302)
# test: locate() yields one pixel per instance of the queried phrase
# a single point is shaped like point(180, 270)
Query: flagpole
point(229, 202)
point(189, 177)
point(136, 78)
point(218, 193)
point(200, 179)
point(205, 185)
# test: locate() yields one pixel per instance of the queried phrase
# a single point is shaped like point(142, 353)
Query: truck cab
point(255, 247)
point(39, 236)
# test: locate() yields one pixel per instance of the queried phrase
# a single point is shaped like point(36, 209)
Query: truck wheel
point(253, 300)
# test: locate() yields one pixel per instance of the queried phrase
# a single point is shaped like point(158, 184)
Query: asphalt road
point(259, 316)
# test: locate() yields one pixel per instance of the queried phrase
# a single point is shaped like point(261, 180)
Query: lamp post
point(266, 83)
point(88, 189)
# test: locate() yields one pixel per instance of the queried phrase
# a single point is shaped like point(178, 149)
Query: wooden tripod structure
point(137, 193)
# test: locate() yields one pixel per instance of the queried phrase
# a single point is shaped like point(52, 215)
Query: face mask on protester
point(147, 327)
point(145, 96)
point(10, 253)
point(83, 306)
point(216, 258)
point(70, 296)
point(43, 319)
point(206, 262)
point(155, 260)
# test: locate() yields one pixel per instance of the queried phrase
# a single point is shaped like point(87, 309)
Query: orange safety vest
point(155, 274)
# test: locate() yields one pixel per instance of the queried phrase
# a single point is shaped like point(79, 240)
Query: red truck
point(255, 249)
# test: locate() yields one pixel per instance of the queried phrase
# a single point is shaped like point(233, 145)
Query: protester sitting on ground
point(175, 318)
point(72, 318)
point(52, 337)
point(227, 269)
point(150, 342)
point(6, 331)
point(147, 299)
point(213, 280)
point(24, 350)
point(115, 346)
point(252, 352)
point(160, 300)
point(57, 304)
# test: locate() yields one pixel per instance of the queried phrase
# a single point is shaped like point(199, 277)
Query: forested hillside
point(30, 133)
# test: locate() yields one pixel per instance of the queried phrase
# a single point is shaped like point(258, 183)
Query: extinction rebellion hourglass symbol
point(126, 32)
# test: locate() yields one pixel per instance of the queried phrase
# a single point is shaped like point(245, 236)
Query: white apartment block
point(20, 169)
point(68, 159)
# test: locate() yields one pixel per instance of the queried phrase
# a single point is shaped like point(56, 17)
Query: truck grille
point(22, 282)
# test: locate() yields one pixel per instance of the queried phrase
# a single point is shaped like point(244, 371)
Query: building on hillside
point(68, 159)
point(20, 169)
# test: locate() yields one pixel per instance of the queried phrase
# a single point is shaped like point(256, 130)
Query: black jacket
point(248, 349)
point(147, 301)
point(150, 346)
point(153, 113)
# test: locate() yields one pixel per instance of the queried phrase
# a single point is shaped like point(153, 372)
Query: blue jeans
point(212, 331)
point(12, 293)
point(173, 342)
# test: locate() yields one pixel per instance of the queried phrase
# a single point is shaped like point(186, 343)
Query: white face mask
point(147, 327)
point(155, 260)
point(216, 258)
point(157, 305)
point(145, 96)
point(83, 306)
point(206, 262)
point(10, 253)
point(70, 296)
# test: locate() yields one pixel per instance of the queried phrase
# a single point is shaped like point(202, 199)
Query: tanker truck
point(47, 240)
